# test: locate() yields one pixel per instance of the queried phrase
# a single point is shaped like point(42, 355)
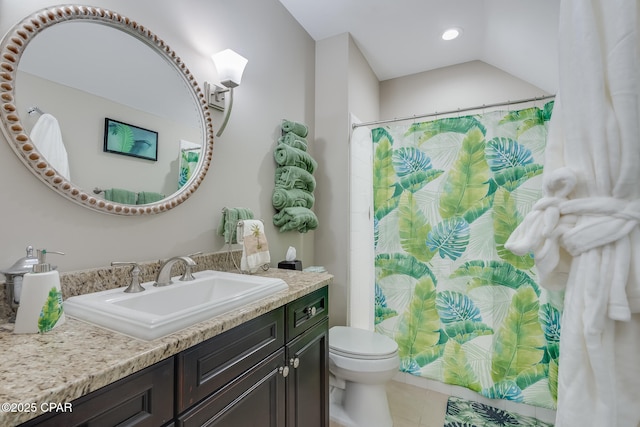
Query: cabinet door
point(308, 380)
point(254, 399)
point(141, 399)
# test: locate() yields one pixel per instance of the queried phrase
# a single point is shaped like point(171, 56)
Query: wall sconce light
point(230, 66)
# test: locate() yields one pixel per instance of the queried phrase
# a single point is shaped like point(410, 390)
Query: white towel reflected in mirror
point(47, 138)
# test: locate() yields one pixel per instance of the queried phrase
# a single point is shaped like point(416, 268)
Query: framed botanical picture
point(129, 140)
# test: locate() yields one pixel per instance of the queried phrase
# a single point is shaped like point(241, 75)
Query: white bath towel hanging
point(255, 249)
point(47, 137)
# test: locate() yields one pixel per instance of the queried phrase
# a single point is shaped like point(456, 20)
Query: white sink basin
point(160, 311)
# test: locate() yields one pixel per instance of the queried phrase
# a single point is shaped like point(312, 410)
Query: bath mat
point(466, 413)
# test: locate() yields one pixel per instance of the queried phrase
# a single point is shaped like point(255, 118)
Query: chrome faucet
point(164, 275)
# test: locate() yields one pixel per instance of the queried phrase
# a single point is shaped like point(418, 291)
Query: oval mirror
point(117, 124)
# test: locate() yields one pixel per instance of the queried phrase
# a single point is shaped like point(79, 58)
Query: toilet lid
point(360, 343)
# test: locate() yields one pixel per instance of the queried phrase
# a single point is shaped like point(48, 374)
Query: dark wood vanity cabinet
point(307, 352)
point(271, 371)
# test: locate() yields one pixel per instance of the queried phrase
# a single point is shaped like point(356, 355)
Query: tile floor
point(413, 406)
point(416, 406)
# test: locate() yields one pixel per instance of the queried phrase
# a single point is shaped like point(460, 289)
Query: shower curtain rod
point(459, 110)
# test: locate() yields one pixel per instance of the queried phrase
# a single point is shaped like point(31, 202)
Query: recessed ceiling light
point(451, 33)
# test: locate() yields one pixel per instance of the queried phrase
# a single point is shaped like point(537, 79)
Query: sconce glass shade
point(230, 66)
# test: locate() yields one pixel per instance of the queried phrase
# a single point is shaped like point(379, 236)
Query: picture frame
point(129, 140)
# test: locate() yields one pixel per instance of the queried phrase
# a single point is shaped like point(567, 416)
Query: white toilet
point(361, 362)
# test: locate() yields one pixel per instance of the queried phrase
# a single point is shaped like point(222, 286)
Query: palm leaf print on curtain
point(463, 309)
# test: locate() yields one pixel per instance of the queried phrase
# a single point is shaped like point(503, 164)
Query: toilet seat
point(361, 344)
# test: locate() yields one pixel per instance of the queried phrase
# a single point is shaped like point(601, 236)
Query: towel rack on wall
point(33, 110)
point(230, 259)
point(225, 210)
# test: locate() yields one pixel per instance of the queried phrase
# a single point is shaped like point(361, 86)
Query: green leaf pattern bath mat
point(466, 413)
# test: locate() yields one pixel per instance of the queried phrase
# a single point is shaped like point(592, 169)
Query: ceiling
point(402, 37)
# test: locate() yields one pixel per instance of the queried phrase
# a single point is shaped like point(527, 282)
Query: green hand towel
point(299, 129)
point(295, 218)
point(283, 198)
point(119, 195)
point(290, 156)
point(293, 140)
point(290, 177)
point(145, 197)
point(229, 222)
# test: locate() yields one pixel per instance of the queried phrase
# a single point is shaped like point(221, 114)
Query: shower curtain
point(463, 309)
point(188, 163)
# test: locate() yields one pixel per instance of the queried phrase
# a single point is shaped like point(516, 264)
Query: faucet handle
point(134, 286)
point(188, 268)
point(188, 274)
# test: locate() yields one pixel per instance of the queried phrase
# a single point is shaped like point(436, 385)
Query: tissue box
point(291, 265)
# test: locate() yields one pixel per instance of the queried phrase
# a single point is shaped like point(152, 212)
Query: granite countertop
point(77, 357)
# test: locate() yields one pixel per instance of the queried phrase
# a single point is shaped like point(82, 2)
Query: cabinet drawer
point(256, 398)
point(141, 399)
point(207, 367)
point(306, 312)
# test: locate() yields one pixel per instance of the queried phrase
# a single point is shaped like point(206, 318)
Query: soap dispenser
point(13, 280)
point(41, 306)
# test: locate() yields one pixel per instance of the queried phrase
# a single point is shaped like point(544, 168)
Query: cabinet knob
point(284, 371)
point(311, 311)
point(295, 362)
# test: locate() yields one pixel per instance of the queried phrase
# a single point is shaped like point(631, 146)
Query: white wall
point(361, 238)
point(364, 104)
point(332, 203)
point(278, 83)
point(344, 84)
point(464, 85)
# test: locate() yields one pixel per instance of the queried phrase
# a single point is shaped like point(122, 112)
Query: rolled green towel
point(290, 177)
point(299, 129)
point(229, 222)
point(145, 197)
point(119, 195)
point(283, 198)
point(295, 218)
point(291, 156)
point(293, 140)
